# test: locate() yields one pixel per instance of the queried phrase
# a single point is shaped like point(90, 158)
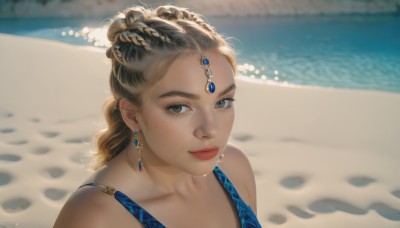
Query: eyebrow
point(193, 96)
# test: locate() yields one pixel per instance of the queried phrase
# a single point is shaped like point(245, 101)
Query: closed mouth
point(206, 153)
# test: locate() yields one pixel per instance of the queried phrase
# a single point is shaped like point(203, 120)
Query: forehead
point(187, 74)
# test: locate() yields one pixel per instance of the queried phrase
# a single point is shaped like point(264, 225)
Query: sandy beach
point(321, 157)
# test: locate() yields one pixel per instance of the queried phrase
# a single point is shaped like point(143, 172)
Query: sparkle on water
point(95, 36)
point(354, 51)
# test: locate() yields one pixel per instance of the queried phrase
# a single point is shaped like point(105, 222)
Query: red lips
point(205, 154)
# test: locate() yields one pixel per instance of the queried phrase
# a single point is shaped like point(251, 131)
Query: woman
point(169, 120)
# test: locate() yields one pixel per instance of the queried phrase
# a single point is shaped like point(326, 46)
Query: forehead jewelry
point(205, 63)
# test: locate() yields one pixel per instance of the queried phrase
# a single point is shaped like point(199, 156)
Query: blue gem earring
point(138, 144)
point(205, 63)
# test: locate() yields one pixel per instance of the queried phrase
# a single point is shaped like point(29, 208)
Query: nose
point(207, 126)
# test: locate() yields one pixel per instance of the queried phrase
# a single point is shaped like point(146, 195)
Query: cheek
point(163, 129)
point(227, 120)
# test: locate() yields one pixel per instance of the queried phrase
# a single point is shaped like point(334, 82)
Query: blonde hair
point(144, 43)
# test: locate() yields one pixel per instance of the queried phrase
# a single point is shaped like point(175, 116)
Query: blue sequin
point(141, 214)
point(246, 215)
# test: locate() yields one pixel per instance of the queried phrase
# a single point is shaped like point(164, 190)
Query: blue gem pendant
point(210, 87)
point(139, 147)
point(140, 165)
point(205, 63)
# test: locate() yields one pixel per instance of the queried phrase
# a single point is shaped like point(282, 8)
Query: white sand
point(322, 157)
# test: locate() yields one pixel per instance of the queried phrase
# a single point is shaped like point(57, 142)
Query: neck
point(162, 176)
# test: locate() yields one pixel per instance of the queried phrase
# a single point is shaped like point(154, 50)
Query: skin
point(175, 187)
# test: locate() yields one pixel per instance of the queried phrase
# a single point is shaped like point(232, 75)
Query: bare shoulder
point(237, 168)
point(90, 207)
point(86, 207)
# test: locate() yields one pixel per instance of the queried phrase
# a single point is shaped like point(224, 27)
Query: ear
point(129, 113)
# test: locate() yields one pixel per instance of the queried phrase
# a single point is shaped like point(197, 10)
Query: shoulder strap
point(104, 188)
point(246, 215)
point(135, 209)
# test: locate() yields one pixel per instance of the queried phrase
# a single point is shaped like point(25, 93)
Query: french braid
point(151, 32)
point(128, 36)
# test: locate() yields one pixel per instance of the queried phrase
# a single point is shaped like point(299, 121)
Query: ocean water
point(353, 51)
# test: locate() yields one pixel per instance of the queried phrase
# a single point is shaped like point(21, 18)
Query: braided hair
point(144, 43)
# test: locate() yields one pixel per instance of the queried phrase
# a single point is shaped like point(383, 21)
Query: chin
point(200, 170)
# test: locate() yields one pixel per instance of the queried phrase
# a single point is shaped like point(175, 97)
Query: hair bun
point(169, 12)
point(134, 15)
point(109, 53)
point(117, 26)
point(130, 18)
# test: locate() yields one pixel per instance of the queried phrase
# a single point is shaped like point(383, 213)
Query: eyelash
point(169, 108)
point(229, 104)
point(187, 106)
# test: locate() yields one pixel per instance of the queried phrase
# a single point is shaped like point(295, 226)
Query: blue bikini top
point(246, 215)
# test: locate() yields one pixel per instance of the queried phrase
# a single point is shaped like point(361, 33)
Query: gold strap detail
point(106, 189)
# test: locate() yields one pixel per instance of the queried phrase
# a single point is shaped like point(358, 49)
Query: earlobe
point(129, 114)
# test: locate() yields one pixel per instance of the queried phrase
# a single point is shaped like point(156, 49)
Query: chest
point(210, 207)
point(211, 210)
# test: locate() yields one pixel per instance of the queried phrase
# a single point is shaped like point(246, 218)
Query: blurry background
point(343, 44)
point(68, 8)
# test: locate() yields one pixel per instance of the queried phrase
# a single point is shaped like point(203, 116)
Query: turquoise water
point(356, 52)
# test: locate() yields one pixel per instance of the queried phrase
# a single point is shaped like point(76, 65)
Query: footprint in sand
point(8, 114)
point(41, 150)
point(16, 205)
point(84, 139)
point(7, 130)
point(293, 182)
point(54, 172)
point(54, 193)
point(50, 134)
point(277, 219)
point(9, 157)
point(9, 225)
point(35, 120)
point(386, 211)
point(396, 193)
point(5, 178)
point(360, 181)
point(19, 142)
point(328, 205)
point(300, 212)
point(332, 205)
point(242, 137)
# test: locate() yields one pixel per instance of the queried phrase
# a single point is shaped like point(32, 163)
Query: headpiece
point(205, 63)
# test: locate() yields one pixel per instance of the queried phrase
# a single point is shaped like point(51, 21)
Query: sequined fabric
point(246, 216)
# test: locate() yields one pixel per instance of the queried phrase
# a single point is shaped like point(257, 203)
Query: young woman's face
point(184, 126)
